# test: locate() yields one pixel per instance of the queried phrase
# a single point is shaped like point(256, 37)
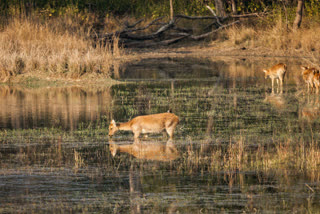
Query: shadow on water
point(239, 147)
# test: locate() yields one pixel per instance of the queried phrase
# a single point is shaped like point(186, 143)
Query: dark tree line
point(151, 8)
point(145, 7)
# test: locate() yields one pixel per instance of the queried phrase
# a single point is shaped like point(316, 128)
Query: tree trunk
point(234, 7)
point(298, 19)
point(171, 9)
point(219, 4)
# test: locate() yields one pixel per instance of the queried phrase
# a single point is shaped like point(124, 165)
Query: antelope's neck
point(125, 126)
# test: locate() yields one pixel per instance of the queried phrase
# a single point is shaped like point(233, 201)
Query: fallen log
point(202, 36)
point(125, 31)
point(150, 36)
point(169, 33)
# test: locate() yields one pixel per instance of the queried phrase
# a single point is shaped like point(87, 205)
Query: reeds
point(28, 46)
point(296, 157)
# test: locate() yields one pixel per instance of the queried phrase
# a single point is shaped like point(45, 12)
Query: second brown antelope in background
point(316, 80)
point(153, 123)
point(307, 75)
point(277, 72)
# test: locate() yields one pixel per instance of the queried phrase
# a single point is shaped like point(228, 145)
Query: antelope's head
point(304, 68)
point(113, 128)
point(266, 73)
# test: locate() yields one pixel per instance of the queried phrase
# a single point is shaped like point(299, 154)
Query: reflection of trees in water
point(257, 190)
point(232, 69)
point(66, 107)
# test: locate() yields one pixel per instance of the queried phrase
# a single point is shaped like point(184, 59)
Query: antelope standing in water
point(316, 80)
point(153, 123)
point(277, 72)
point(147, 150)
point(310, 76)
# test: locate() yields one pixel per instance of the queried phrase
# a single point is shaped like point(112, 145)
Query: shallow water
point(55, 153)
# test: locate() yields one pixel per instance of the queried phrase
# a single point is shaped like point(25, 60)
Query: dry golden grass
point(276, 37)
point(29, 46)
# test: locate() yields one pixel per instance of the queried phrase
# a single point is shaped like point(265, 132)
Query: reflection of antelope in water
point(147, 150)
point(311, 110)
point(276, 100)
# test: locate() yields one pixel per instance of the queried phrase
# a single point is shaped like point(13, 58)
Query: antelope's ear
point(264, 70)
point(304, 67)
point(113, 122)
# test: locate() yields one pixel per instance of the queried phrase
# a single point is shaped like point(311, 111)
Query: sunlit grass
point(52, 50)
point(277, 37)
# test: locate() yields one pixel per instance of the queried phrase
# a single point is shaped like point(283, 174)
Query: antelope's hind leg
point(170, 130)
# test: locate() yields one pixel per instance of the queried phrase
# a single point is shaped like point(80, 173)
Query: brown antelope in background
point(307, 75)
point(147, 150)
point(277, 72)
point(153, 123)
point(316, 80)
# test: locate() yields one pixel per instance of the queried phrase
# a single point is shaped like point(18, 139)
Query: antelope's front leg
point(136, 135)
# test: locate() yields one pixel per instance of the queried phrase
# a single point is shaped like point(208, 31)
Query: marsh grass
point(295, 158)
point(83, 174)
point(52, 148)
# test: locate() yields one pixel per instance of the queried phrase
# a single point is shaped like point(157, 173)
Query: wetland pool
point(239, 147)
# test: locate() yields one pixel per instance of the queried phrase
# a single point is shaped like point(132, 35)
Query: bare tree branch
point(214, 14)
point(202, 36)
point(134, 24)
point(125, 31)
point(150, 36)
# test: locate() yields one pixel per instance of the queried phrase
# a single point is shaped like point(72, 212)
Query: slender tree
point(171, 9)
point(298, 19)
point(234, 6)
point(219, 4)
